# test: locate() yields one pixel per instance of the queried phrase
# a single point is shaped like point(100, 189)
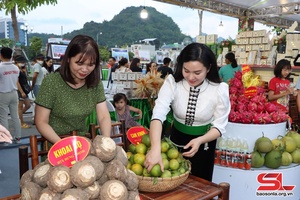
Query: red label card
point(134, 134)
point(69, 150)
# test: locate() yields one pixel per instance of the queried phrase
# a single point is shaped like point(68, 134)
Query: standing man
point(165, 69)
point(114, 66)
point(9, 74)
point(38, 74)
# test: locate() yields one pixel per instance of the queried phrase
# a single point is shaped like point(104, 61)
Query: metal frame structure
point(270, 12)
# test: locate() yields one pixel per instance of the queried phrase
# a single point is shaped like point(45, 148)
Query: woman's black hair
point(49, 69)
point(119, 96)
point(88, 49)
point(203, 54)
point(281, 64)
point(231, 57)
point(134, 62)
point(123, 62)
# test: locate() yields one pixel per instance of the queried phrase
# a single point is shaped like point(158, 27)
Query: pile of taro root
point(101, 175)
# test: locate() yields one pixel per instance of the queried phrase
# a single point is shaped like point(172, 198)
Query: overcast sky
point(69, 15)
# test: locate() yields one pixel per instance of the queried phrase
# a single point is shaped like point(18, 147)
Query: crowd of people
point(16, 87)
point(196, 91)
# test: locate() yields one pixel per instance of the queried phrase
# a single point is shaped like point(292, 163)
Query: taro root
point(93, 190)
point(26, 177)
point(83, 173)
point(132, 181)
point(41, 174)
point(59, 179)
point(103, 179)
point(115, 170)
point(121, 156)
point(98, 165)
point(114, 190)
point(74, 194)
point(133, 195)
point(105, 148)
point(30, 191)
point(47, 194)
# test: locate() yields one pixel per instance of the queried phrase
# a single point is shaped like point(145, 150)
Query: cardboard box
point(261, 47)
point(261, 33)
point(248, 48)
point(255, 34)
point(233, 47)
point(201, 39)
point(265, 40)
point(263, 61)
point(123, 76)
point(258, 40)
point(212, 39)
point(267, 47)
point(131, 76)
point(239, 41)
point(139, 75)
point(242, 34)
point(251, 40)
point(115, 76)
point(245, 41)
point(242, 47)
point(249, 34)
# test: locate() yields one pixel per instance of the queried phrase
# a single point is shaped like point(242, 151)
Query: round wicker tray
point(149, 184)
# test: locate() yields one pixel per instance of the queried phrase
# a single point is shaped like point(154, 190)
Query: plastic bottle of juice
point(243, 154)
point(218, 151)
point(222, 147)
point(236, 146)
point(229, 152)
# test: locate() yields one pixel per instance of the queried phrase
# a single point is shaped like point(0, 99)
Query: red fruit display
point(249, 104)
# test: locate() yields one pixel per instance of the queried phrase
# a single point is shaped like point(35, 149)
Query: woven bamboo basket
point(149, 184)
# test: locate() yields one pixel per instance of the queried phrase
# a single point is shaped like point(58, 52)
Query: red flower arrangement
point(251, 107)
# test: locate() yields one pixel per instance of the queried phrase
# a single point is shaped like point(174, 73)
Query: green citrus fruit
point(146, 140)
point(145, 173)
point(137, 169)
point(164, 146)
point(139, 158)
point(164, 155)
point(174, 164)
point(156, 171)
point(129, 165)
point(181, 170)
point(166, 163)
point(132, 148)
point(141, 148)
point(172, 153)
point(166, 174)
point(129, 154)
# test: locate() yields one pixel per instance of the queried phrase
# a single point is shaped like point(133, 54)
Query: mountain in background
point(128, 28)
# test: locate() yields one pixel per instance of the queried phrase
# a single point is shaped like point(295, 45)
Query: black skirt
point(203, 160)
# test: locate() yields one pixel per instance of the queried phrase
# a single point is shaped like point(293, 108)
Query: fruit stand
point(256, 167)
point(246, 183)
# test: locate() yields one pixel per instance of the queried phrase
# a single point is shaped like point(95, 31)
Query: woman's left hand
point(194, 144)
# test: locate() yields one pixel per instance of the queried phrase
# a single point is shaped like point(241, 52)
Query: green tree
point(23, 7)
point(104, 53)
point(35, 47)
point(6, 42)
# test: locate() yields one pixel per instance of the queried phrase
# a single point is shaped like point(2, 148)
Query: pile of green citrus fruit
point(174, 163)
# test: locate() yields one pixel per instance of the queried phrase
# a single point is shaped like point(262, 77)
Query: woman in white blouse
point(123, 66)
point(200, 104)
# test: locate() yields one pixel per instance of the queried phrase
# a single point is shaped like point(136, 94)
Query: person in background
point(279, 86)
point(151, 66)
point(9, 74)
point(200, 104)
point(123, 110)
point(47, 66)
point(123, 66)
point(114, 65)
point(72, 93)
point(165, 69)
point(23, 89)
point(38, 74)
point(135, 65)
point(5, 135)
point(228, 71)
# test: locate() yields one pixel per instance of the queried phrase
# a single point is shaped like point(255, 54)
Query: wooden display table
point(193, 188)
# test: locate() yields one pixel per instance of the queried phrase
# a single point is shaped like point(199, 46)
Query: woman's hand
point(153, 157)
point(194, 144)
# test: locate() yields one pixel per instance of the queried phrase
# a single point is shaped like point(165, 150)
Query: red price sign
point(69, 150)
point(135, 134)
point(250, 91)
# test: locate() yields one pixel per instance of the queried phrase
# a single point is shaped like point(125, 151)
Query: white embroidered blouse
point(212, 103)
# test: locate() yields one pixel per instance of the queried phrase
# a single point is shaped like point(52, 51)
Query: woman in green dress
point(69, 95)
